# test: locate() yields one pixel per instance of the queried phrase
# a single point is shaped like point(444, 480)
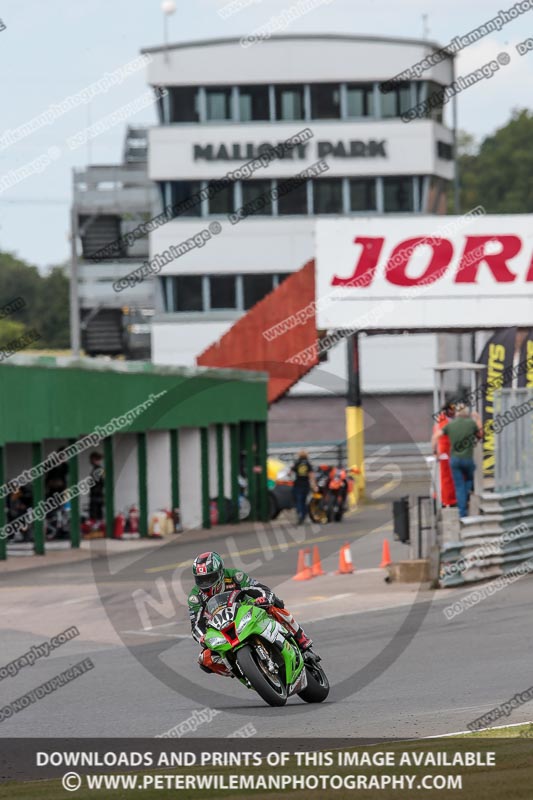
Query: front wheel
point(317, 511)
point(269, 686)
point(245, 507)
point(317, 688)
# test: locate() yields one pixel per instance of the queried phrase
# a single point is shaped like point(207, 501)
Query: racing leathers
point(237, 579)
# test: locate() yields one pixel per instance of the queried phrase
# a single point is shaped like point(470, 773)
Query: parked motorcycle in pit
point(328, 499)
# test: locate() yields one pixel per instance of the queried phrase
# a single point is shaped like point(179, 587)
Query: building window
point(184, 200)
point(254, 103)
point(289, 102)
point(327, 196)
point(445, 151)
point(188, 293)
point(257, 191)
point(434, 91)
point(397, 101)
point(222, 200)
point(360, 100)
point(398, 194)
point(184, 104)
point(223, 293)
point(363, 194)
point(255, 287)
point(325, 101)
point(280, 277)
point(167, 287)
point(218, 104)
point(292, 197)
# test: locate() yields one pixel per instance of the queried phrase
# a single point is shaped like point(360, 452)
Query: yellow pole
point(355, 435)
point(355, 444)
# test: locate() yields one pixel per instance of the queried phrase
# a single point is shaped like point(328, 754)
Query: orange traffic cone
point(345, 560)
point(385, 558)
point(316, 569)
point(303, 570)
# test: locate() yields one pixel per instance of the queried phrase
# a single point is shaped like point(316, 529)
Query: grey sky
point(53, 49)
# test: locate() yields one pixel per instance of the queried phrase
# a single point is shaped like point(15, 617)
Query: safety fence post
point(109, 484)
point(3, 539)
point(142, 472)
point(73, 472)
point(249, 444)
point(174, 468)
point(261, 429)
point(38, 496)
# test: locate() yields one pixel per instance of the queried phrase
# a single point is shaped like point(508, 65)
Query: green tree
point(499, 174)
point(10, 331)
point(46, 306)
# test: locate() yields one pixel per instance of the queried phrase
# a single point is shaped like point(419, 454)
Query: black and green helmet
point(208, 571)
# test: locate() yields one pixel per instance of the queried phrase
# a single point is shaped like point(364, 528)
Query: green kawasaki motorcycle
point(260, 652)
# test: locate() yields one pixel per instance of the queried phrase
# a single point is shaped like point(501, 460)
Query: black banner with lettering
point(508, 356)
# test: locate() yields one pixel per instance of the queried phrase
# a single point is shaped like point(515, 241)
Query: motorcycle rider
point(211, 578)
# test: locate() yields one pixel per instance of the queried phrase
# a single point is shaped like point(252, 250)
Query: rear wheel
point(340, 510)
point(317, 688)
point(317, 511)
point(267, 684)
point(273, 508)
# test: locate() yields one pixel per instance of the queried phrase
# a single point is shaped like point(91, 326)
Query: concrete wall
point(389, 419)
point(159, 479)
point(190, 477)
point(125, 471)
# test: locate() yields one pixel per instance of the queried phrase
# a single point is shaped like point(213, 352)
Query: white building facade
point(225, 105)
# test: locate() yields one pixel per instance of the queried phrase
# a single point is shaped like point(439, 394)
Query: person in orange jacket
point(442, 450)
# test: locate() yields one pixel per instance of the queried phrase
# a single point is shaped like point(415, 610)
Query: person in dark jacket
point(303, 477)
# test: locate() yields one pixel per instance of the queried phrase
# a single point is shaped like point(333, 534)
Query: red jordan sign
point(425, 272)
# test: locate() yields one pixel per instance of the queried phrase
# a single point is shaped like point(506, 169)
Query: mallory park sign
point(371, 148)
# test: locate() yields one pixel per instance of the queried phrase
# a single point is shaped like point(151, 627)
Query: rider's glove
point(263, 601)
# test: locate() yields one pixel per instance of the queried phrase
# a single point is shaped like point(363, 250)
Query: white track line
point(493, 728)
point(166, 635)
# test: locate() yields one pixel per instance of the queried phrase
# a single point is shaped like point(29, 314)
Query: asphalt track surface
point(402, 671)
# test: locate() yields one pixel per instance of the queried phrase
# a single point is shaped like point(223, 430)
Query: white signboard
point(470, 271)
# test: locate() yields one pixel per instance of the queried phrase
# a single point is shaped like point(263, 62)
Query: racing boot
point(213, 663)
point(302, 640)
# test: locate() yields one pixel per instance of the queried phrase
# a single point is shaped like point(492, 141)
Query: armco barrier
point(492, 544)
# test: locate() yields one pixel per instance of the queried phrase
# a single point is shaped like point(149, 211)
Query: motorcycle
point(328, 499)
point(57, 523)
point(261, 652)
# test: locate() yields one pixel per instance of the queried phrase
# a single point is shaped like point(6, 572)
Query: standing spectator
point(96, 492)
point(18, 503)
point(442, 451)
point(303, 474)
point(464, 431)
